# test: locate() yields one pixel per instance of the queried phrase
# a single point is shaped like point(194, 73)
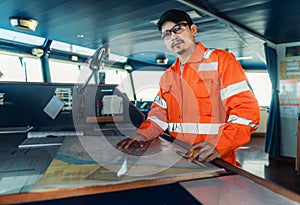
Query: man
point(204, 100)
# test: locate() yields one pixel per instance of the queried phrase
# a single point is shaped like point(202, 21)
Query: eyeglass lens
point(177, 29)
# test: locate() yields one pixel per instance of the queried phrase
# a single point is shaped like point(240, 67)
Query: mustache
point(175, 42)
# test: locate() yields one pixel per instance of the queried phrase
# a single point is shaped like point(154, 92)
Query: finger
point(124, 143)
point(194, 152)
point(121, 144)
point(202, 157)
point(197, 152)
point(194, 155)
point(213, 156)
point(145, 144)
point(210, 158)
point(129, 143)
point(190, 153)
point(204, 154)
point(198, 145)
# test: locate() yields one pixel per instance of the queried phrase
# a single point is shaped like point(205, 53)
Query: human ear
point(194, 29)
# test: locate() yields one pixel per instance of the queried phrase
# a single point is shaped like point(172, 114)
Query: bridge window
point(20, 69)
point(146, 84)
point(62, 72)
point(259, 80)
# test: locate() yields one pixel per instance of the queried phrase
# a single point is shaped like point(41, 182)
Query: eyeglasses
point(177, 29)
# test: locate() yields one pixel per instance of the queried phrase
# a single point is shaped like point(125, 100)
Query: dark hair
point(175, 16)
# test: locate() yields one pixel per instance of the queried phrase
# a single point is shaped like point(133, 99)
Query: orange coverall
point(210, 100)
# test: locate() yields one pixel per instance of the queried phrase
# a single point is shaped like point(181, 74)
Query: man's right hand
point(136, 141)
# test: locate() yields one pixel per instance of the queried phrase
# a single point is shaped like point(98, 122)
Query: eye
point(166, 33)
point(176, 28)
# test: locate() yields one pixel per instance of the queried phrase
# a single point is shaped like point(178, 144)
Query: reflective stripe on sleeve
point(234, 89)
point(194, 128)
point(208, 53)
point(240, 120)
point(208, 66)
point(161, 102)
point(163, 125)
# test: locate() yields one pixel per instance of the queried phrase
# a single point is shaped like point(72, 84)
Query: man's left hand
point(203, 151)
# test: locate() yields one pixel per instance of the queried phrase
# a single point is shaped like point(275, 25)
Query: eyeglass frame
point(170, 31)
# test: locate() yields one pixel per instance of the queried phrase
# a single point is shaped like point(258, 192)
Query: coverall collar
point(196, 57)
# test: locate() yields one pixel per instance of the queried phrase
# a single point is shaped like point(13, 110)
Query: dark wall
point(24, 104)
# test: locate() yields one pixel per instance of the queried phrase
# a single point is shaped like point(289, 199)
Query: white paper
point(53, 107)
point(112, 104)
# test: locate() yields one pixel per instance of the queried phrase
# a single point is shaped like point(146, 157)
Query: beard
point(177, 47)
point(180, 51)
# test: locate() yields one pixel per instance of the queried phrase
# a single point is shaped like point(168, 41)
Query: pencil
point(194, 161)
point(191, 153)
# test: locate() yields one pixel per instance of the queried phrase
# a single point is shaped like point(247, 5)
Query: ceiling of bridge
point(241, 27)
